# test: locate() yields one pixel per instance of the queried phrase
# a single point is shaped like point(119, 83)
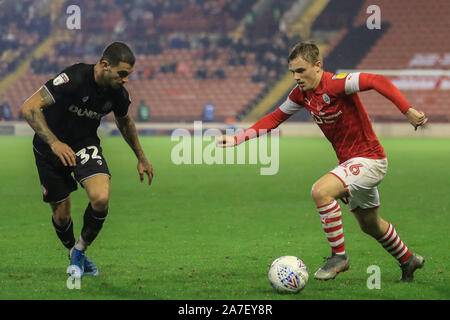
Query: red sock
point(331, 216)
point(394, 245)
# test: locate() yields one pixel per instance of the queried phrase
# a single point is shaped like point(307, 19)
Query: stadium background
point(230, 54)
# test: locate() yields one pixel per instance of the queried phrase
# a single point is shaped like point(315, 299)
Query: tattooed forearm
point(128, 129)
point(32, 112)
point(37, 121)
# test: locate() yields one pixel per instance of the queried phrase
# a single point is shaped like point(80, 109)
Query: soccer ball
point(288, 274)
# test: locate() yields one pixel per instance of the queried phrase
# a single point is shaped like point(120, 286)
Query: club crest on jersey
point(326, 98)
point(61, 79)
point(339, 76)
point(107, 106)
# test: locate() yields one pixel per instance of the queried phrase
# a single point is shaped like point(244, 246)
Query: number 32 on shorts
point(85, 156)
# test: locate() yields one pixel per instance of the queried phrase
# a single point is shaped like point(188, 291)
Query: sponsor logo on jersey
point(339, 76)
point(329, 119)
point(61, 79)
point(83, 112)
point(326, 98)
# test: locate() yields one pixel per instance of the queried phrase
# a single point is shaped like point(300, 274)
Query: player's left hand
point(225, 141)
point(416, 118)
point(146, 167)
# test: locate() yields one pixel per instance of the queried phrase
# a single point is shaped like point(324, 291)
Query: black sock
point(93, 222)
point(65, 233)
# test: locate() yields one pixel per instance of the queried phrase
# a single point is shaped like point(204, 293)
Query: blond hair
point(307, 50)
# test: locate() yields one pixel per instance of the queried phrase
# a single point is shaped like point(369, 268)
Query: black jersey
point(79, 105)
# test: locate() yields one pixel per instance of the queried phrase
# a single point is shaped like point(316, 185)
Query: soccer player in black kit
point(65, 114)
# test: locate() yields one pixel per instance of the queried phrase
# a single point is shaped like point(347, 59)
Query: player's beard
point(115, 85)
point(112, 81)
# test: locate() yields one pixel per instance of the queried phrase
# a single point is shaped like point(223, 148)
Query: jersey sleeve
point(290, 106)
point(385, 87)
point(65, 83)
point(344, 84)
point(350, 83)
point(263, 126)
point(122, 103)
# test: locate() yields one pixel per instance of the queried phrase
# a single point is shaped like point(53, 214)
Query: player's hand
point(64, 153)
point(225, 141)
point(416, 118)
point(146, 167)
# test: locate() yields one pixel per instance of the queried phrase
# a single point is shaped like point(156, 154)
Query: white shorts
point(360, 177)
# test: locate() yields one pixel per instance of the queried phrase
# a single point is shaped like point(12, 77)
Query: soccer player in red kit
point(334, 104)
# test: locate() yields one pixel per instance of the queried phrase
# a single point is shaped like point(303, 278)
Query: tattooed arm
point(32, 112)
point(128, 129)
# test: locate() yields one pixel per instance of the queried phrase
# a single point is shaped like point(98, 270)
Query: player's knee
point(61, 213)
point(61, 219)
point(100, 201)
point(319, 194)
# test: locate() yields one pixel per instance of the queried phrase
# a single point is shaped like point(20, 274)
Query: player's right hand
point(64, 153)
point(146, 167)
point(225, 141)
point(416, 118)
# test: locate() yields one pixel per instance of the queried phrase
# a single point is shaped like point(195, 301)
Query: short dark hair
point(307, 50)
point(118, 52)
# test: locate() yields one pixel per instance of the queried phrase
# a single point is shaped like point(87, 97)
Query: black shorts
point(58, 181)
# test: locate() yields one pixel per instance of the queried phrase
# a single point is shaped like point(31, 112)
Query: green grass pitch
point(211, 231)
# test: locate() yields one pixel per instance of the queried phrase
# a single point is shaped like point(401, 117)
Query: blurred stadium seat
point(412, 36)
point(415, 30)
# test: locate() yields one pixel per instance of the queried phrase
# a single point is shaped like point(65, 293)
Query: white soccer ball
point(288, 274)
